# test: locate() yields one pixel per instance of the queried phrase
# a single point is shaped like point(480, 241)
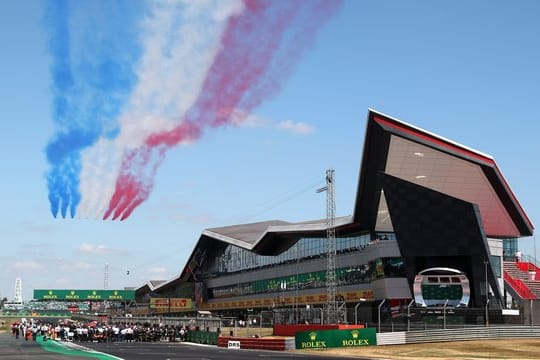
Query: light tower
point(18, 290)
point(106, 277)
point(333, 312)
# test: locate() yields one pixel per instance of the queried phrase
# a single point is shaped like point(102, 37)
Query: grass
point(498, 349)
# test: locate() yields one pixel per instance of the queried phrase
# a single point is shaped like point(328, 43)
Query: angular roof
point(150, 286)
point(156, 283)
point(271, 237)
point(245, 235)
point(396, 148)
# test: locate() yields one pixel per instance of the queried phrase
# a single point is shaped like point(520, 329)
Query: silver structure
point(442, 277)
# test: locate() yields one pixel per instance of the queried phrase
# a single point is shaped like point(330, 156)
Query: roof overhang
point(149, 286)
point(418, 156)
point(272, 238)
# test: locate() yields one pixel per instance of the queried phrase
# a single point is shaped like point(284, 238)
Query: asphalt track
point(19, 349)
point(189, 351)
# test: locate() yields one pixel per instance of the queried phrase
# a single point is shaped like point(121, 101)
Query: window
point(496, 263)
point(235, 258)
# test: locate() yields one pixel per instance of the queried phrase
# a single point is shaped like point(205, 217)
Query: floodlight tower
point(332, 311)
point(106, 277)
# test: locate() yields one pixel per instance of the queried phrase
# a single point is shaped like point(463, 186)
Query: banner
point(163, 305)
point(322, 339)
point(84, 295)
point(159, 304)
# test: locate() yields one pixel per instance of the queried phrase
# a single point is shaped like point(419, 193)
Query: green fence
point(203, 337)
point(322, 339)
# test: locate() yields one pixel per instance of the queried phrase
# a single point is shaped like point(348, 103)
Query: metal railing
point(458, 334)
point(519, 287)
point(201, 322)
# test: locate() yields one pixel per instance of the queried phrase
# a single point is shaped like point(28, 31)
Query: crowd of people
point(99, 332)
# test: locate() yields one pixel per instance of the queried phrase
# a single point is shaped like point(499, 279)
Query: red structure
point(279, 344)
point(291, 330)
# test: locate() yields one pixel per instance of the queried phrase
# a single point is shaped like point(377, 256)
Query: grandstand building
point(434, 225)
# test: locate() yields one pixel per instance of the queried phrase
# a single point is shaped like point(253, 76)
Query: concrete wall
point(531, 312)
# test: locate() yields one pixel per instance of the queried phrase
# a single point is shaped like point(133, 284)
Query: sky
point(112, 100)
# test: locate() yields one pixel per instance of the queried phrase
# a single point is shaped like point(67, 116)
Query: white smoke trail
point(179, 42)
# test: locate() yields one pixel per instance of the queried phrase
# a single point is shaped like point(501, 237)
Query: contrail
point(132, 79)
point(259, 48)
point(179, 40)
point(91, 78)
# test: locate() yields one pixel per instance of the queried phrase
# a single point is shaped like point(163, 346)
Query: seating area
point(517, 275)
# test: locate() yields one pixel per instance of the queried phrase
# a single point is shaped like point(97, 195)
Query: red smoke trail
point(259, 49)
point(130, 186)
point(138, 170)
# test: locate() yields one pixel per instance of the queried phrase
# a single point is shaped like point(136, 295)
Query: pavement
point(20, 349)
point(191, 351)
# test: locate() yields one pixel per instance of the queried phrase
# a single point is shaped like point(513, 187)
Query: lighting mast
point(332, 311)
point(106, 277)
point(18, 290)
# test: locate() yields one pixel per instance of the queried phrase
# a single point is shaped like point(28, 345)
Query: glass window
point(235, 258)
point(394, 266)
point(358, 274)
point(496, 264)
point(510, 246)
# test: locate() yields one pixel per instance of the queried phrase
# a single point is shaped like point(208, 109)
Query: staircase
point(518, 273)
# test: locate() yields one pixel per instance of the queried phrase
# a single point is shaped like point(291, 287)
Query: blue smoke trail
point(94, 48)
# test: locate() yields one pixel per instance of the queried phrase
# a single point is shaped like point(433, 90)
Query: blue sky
point(468, 71)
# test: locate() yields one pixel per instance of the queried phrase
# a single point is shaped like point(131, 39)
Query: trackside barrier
point(292, 329)
point(480, 333)
point(256, 343)
point(203, 337)
point(323, 339)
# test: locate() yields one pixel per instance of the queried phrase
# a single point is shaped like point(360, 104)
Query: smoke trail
point(259, 48)
point(100, 164)
point(92, 56)
point(144, 165)
point(179, 41)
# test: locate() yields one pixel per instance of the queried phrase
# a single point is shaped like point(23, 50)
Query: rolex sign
point(322, 339)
